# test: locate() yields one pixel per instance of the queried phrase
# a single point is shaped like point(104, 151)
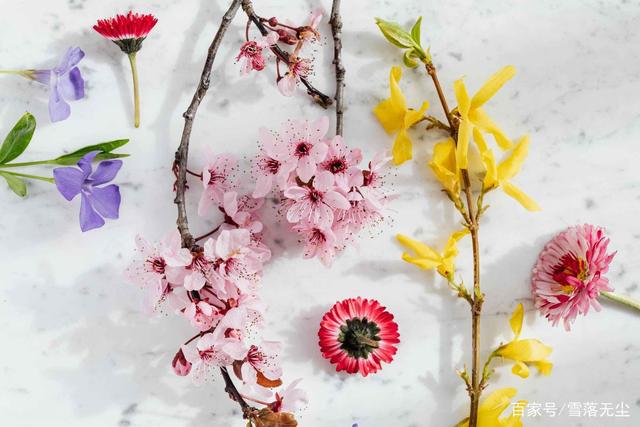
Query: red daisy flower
point(127, 31)
point(357, 334)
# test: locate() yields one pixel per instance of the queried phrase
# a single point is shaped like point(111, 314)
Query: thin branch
point(336, 30)
point(182, 153)
point(319, 97)
point(181, 158)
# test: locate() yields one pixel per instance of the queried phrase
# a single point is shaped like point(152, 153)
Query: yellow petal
point(513, 420)
point(462, 148)
point(529, 350)
point(462, 97)
point(394, 84)
point(451, 249)
point(516, 320)
point(423, 263)
point(414, 116)
point(544, 367)
point(488, 160)
point(419, 248)
point(402, 148)
point(520, 369)
point(443, 165)
point(493, 85)
point(391, 111)
point(482, 120)
point(510, 166)
point(493, 406)
point(527, 202)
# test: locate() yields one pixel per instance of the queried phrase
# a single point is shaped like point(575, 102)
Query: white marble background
point(77, 351)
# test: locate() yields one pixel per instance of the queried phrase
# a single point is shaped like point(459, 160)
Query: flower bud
point(181, 366)
point(273, 21)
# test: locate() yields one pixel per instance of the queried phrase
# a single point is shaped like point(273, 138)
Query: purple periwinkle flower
point(97, 203)
point(65, 84)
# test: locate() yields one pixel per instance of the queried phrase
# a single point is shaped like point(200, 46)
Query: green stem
point(629, 302)
point(18, 165)
point(28, 74)
point(136, 92)
point(39, 178)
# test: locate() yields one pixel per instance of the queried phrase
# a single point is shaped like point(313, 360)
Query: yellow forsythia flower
point(525, 352)
point(473, 116)
point(500, 175)
point(493, 406)
point(444, 166)
point(427, 258)
point(396, 118)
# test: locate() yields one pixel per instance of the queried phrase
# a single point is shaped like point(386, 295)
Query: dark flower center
point(359, 337)
point(251, 49)
point(317, 237)
point(303, 148)
point(158, 265)
point(315, 196)
point(570, 266)
point(255, 356)
point(215, 177)
point(337, 165)
point(270, 165)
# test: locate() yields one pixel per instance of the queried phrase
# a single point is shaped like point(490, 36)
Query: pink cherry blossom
point(319, 242)
point(305, 141)
point(316, 202)
point(251, 53)
point(241, 213)
point(204, 357)
point(340, 161)
point(263, 359)
point(274, 163)
point(202, 315)
point(291, 399)
point(298, 67)
point(216, 179)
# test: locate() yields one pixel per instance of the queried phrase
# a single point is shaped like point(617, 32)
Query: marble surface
point(77, 350)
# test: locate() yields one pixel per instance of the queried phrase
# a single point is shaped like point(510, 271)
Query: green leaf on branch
point(18, 138)
point(409, 58)
point(105, 149)
point(403, 39)
point(16, 184)
point(415, 31)
point(396, 35)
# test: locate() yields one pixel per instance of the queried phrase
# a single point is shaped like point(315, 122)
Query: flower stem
point(471, 220)
point(18, 165)
point(39, 178)
point(28, 74)
point(136, 90)
point(629, 302)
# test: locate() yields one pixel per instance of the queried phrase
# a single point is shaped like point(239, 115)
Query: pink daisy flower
point(569, 274)
point(315, 203)
point(357, 335)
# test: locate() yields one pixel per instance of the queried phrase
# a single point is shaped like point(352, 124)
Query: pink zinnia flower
point(216, 180)
point(569, 274)
point(251, 53)
point(315, 203)
point(357, 335)
point(305, 141)
point(274, 163)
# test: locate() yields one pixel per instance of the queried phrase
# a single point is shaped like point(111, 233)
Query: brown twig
point(471, 219)
point(182, 153)
point(336, 30)
point(181, 158)
point(319, 97)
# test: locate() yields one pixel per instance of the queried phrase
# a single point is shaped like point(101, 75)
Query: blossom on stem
point(250, 54)
point(65, 84)
point(318, 242)
point(97, 202)
point(274, 163)
point(127, 31)
point(291, 399)
point(357, 335)
point(492, 407)
point(524, 352)
point(306, 144)
point(297, 68)
point(444, 166)
point(500, 175)
point(395, 117)
point(216, 179)
point(427, 258)
point(340, 161)
point(473, 116)
point(570, 274)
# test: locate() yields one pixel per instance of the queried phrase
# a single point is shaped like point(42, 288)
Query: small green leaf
point(105, 148)
point(415, 31)
point(395, 34)
point(18, 138)
point(409, 58)
point(17, 185)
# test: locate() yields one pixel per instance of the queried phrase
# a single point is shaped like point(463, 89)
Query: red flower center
point(570, 266)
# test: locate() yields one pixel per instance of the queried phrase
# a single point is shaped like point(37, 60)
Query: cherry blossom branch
point(181, 157)
point(336, 30)
point(319, 97)
point(182, 153)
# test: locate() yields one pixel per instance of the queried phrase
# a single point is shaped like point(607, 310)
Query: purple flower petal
point(69, 60)
point(69, 181)
point(105, 172)
point(106, 200)
point(85, 162)
point(42, 76)
point(89, 218)
point(71, 85)
point(58, 108)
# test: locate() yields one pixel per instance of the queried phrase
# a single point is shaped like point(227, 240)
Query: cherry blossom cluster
point(215, 288)
point(328, 198)
point(282, 35)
